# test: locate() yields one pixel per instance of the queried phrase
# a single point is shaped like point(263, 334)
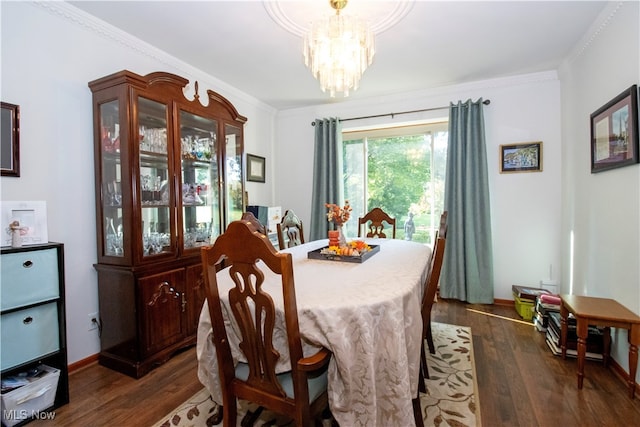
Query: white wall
point(49, 54)
point(525, 207)
point(601, 212)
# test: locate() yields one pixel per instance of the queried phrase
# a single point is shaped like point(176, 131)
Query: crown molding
point(603, 21)
point(102, 29)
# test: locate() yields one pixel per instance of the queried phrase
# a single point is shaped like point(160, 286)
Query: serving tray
point(316, 254)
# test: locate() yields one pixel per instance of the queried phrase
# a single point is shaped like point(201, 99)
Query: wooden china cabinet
point(168, 179)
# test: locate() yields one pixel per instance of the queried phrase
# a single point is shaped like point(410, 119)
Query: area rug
point(451, 398)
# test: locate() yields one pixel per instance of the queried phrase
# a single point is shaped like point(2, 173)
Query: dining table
point(367, 313)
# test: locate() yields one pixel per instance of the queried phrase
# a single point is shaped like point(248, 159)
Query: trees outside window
point(400, 170)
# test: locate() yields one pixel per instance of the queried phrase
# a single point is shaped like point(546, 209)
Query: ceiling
point(256, 46)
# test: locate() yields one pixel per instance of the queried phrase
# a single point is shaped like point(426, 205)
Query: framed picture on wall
point(10, 139)
point(255, 168)
point(521, 157)
point(614, 132)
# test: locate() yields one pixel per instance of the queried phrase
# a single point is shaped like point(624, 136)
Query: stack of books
point(595, 338)
point(545, 304)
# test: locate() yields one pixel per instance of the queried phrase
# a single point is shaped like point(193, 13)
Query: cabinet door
point(111, 202)
point(234, 190)
point(163, 306)
point(156, 183)
point(200, 193)
point(195, 297)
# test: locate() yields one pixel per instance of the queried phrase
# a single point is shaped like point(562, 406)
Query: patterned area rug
point(451, 398)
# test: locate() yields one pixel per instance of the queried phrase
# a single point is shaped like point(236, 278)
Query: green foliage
point(399, 179)
point(398, 168)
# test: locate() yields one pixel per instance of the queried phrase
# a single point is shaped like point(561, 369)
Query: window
point(402, 171)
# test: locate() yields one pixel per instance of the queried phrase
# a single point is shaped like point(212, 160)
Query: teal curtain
point(467, 270)
point(327, 174)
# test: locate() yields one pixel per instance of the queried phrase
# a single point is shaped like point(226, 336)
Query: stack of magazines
point(545, 304)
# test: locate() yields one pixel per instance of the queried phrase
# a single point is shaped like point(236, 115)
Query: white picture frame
point(32, 217)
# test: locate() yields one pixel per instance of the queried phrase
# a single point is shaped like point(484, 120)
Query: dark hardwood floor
point(520, 382)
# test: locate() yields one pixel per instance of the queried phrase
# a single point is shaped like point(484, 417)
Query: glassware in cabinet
point(199, 175)
point(154, 178)
point(111, 167)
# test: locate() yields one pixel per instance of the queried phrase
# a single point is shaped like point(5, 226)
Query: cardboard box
point(29, 400)
point(527, 293)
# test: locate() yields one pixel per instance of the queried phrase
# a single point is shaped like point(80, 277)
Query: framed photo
point(521, 157)
point(10, 139)
point(32, 217)
point(614, 132)
point(255, 168)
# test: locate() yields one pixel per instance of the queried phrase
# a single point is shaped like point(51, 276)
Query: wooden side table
point(603, 312)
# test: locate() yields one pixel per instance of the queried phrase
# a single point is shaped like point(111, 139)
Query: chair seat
point(317, 385)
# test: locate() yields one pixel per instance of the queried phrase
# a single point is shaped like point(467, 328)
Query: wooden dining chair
point(291, 227)
point(431, 285)
point(300, 393)
point(374, 220)
point(255, 222)
point(442, 231)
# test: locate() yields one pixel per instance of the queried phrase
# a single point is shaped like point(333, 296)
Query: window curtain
point(327, 174)
point(467, 270)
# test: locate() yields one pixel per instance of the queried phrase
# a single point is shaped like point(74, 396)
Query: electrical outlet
point(93, 321)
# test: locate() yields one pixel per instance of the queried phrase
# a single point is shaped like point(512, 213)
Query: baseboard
point(506, 302)
point(76, 366)
point(621, 373)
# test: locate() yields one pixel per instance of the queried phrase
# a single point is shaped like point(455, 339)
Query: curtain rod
point(485, 102)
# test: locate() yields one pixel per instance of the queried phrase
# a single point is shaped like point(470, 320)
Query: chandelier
point(338, 50)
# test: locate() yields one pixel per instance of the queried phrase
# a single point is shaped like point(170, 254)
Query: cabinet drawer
point(29, 277)
point(28, 334)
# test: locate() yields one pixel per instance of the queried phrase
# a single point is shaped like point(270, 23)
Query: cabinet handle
point(27, 264)
point(27, 320)
point(184, 302)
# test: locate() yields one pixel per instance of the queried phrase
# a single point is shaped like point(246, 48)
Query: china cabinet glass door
point(155, 178)
point(111, 179)
point(199, 173)
point(233, 173)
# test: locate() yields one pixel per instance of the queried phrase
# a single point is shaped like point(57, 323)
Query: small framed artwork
point(614, 132)
point(521, 157)
point(10, 139)
point(255, 168)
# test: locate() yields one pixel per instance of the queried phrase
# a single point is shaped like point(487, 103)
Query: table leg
point(563, 330)
point(607, 346)
point(582, 329)
point(634, 335)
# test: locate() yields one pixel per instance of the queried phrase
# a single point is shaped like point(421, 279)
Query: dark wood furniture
point(428, 298)
point(603, 312)
point(290, 230)
point(444, 226)
point(300, 393)
point(257, 225)
point(33, 313)
point(374, 220)
point(168, 179)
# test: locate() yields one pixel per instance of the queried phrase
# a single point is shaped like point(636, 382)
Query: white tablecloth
point(367, 314)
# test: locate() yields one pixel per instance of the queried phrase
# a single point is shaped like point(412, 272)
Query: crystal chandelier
point(338, 50)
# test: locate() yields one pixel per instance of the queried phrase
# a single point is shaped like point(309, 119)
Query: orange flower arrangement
point(360, 246)
point(339, 215)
